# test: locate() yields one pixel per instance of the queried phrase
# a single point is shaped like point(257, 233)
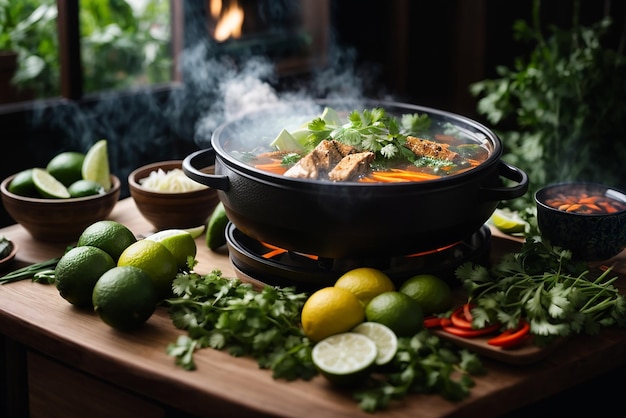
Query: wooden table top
point(36, 316)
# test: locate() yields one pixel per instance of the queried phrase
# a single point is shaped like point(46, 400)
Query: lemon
point(77, 272)
point(365, 283)
point(385, 339)
point(329, 311)
point(22, 184)
point(156, 260)
point(110, 236)
point(82, 188)
point(398, 311)
point(216, 227)
point(124, 297)
point(180, 243)
point(432, 293)
point(48, 186)
point(508, 221)
point(96, 165)
point(345, 359)
point(66, 167)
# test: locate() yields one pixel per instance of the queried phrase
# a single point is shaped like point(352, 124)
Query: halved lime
point(48, 186)
point(96, 164)
point(508, 221)
point(385, 339)
point(196, 231)
point(345, 359)
point(22, 184)
point(179, 242)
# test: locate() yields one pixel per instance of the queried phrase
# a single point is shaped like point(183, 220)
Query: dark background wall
point(424, 52)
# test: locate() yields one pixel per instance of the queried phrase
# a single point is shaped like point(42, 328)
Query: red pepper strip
point(459, 320)
point(432, 322)
point(467, 311)
point(470, 333)
point(512, 337)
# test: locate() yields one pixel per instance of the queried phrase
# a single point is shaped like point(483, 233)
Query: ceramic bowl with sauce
point(587, 218)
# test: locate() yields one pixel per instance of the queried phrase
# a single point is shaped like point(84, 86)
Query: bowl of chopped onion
point(167, 198)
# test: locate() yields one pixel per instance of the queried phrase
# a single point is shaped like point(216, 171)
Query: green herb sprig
point(372, 130)
point(542, 284)
point(42, 272)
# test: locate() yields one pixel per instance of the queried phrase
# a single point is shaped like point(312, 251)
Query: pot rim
point(259, 175)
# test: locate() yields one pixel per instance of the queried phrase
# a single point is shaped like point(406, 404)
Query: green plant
point(560, 111)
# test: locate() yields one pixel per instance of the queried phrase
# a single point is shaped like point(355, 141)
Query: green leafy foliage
point(226, 314)
point(560, 110)
point(426, 364)
point(542, 284)
point(372, 130)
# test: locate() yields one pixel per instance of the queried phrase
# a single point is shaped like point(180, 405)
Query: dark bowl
point(171, 210)
point(59, 220)
point(573, 216)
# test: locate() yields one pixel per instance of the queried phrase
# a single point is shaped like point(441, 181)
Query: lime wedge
point(96, 165)
point(195, 232)
point(286, 142)
point(385, 339)
point(216, 227)
point(508, 221)
point(48, 186)
point(346, 358)
point(331, 117)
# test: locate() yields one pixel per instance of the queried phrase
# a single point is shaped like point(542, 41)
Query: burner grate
point(307, 273)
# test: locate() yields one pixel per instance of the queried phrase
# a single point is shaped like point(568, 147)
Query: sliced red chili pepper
point(512, 337)
point(470, 333)
point(467, 311)
point(445, 322)
point(459, 320)
point(432, 322)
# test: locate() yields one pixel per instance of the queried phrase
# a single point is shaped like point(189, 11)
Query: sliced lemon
point(345, 359)
point(385, 339)
point(48, 186)
point(508, 221)
point(96, 165)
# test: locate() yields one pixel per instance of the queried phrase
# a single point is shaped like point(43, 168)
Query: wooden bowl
point(58, 220)
point(171, 210)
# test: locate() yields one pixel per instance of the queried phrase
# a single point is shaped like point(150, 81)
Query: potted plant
point(560, 111)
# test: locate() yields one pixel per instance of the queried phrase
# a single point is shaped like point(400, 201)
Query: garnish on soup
point(371, 146)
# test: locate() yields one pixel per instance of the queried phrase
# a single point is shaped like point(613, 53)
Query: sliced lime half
point(48, 186)
point(345, 359)
point(385, 339)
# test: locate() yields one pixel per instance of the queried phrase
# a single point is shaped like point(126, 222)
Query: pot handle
point(204, 158)
point(507, 193)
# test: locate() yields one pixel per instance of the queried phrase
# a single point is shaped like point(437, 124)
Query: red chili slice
point(512, 337)
point(460, 320)
point(432, 322)
point(470, 333)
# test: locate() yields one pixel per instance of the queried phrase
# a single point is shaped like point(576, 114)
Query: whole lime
point(401, 313)
point(110, 236)
point(432, 293)
point(156, 260)
point(179, 242)
point(66, 167)
point(124, 297)
point(77, 272)
point(82, 188)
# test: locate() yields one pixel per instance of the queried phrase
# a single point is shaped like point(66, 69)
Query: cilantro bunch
point(371, 130)
point(225, 313)
point(543, 285)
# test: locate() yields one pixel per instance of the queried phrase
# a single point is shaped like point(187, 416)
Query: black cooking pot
point(350, 220)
